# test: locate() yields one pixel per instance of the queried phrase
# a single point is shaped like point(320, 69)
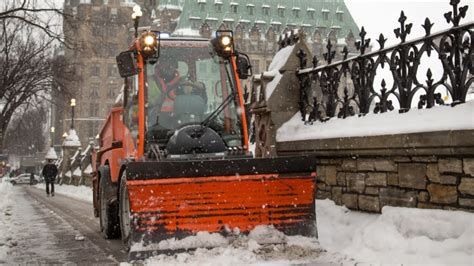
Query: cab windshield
point(187, 86)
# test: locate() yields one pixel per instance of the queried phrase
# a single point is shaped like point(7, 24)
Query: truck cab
point(190, 107)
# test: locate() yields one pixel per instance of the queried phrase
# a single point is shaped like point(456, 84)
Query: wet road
point(57, 230)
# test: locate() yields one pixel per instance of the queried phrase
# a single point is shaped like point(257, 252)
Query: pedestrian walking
point(49, 173)
point(32, 178)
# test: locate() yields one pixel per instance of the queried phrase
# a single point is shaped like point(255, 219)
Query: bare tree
point(43, 15)
point(28, 74)
point(25, 135)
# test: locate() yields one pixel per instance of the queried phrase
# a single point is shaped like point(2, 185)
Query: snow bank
point(77, 192)
point(336, 224)
point(408, 236)
point(6, 204)
point(398, 235)
point(416, 120)
point(72, 140)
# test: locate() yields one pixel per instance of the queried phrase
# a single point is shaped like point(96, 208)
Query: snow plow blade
point(177, 199)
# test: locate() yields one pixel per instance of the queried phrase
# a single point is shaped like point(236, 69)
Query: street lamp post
point(52, 137)
point(73, 104)
point(137, 13)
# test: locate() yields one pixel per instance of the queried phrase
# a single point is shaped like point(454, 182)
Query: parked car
point(24, 179)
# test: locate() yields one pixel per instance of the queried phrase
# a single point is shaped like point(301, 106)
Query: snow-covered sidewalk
point(31, 233)
point(397, 236)
point(83, 193)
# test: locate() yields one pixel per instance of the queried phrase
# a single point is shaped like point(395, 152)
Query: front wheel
point(125, 214)
point(108, 214)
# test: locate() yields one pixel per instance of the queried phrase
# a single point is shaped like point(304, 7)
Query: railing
point(348, 87)
point(74, 161)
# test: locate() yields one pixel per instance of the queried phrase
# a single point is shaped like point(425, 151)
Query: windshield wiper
point(218, 110)
point(224, 104)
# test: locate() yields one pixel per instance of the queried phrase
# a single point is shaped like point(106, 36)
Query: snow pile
point(201, 239)
point(6, 205)
point(416, 120)
point(398, 235)
point(336, 224)
point(267, 235)
point(72, 140)
point(277, 63)
point(88, 170)
point(77, 192)
point(169, 6)
point(410, 236)
point(77, 172)
point(237, 249)
point(51, 154)
point(186, 32)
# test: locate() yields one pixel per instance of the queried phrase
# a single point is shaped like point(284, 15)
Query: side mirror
point(127, 64)
point(244, 68)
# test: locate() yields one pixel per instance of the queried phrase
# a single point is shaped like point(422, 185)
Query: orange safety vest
point(168, 103)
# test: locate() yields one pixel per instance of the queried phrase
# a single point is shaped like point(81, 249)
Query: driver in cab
point(174, 100)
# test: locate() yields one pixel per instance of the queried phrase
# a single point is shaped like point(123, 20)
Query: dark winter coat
point(49, 172)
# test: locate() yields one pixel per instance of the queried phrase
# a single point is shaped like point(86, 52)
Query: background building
point(97, 31)
point(257, 24)
point(100, 29)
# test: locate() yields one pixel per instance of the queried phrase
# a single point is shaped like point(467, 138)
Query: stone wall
point(370, 183)
point(421, 170)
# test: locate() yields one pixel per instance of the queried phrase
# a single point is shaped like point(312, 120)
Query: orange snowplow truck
point(174, 157)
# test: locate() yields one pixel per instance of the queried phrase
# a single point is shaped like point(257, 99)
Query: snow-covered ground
point(397, 236)
point(77, 192)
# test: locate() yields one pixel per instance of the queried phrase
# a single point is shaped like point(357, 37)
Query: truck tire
point(125, 214)
point(108, 212)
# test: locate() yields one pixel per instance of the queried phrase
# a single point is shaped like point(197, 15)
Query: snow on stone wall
point(438, 118)
point(279, 60)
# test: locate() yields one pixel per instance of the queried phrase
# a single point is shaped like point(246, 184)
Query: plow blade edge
point(179, 199)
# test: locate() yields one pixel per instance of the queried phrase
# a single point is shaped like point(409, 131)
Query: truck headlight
point(149, 40)
point(223, 43)
point(149, 43)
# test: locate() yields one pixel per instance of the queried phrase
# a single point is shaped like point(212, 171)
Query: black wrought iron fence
point(348, 87)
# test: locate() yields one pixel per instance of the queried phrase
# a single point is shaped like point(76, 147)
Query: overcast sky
point(381, 16)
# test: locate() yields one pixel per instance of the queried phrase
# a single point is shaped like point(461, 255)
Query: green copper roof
point(170, 4)
point(311, 14)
